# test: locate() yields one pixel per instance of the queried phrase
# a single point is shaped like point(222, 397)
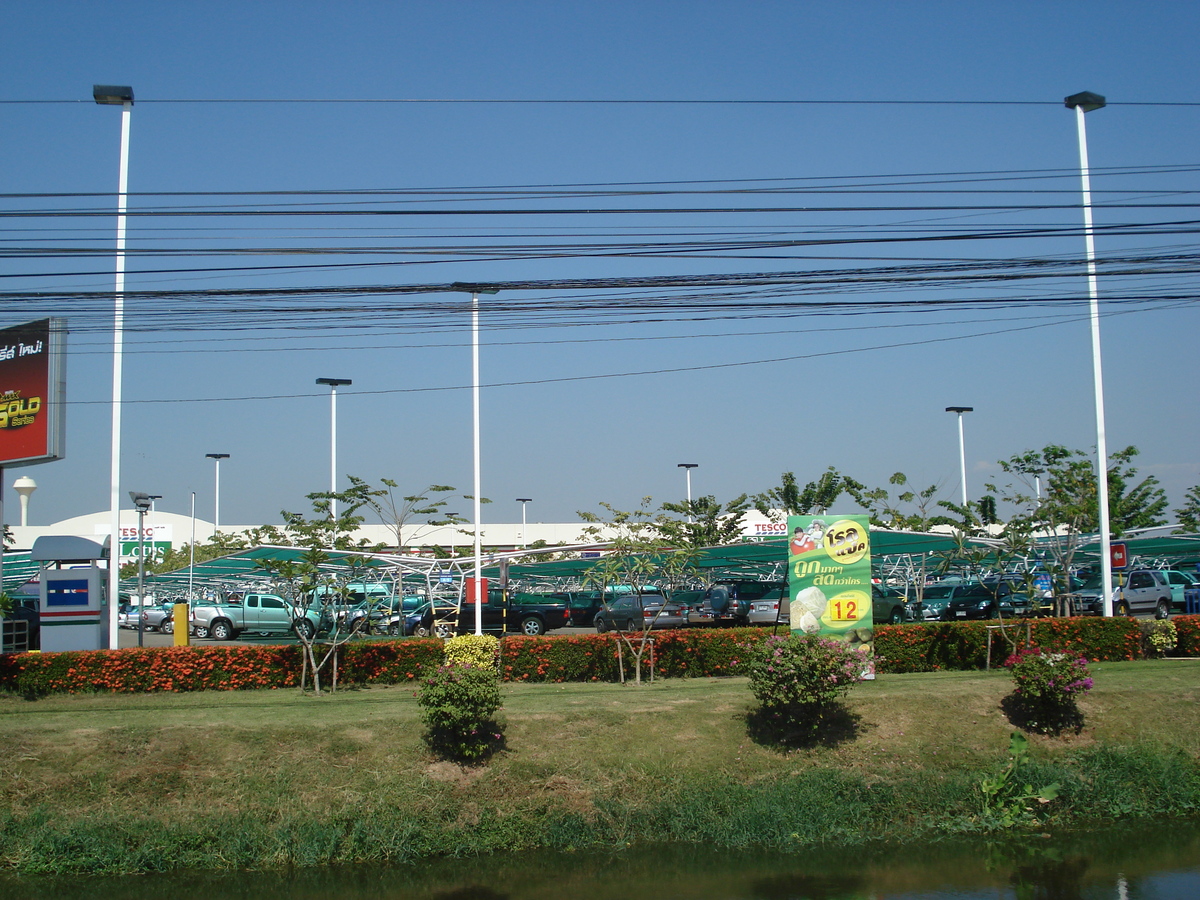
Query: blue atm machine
point(73, 603)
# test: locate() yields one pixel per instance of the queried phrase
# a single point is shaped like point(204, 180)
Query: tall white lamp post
point(522, 501)
point(687, 468)
point(216, 458)
point(334, 384)
point(962, 447)
point(475, 290)
point(122, 96)
point(1084, 103)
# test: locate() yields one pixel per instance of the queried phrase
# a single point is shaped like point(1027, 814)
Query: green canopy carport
point(753, 559)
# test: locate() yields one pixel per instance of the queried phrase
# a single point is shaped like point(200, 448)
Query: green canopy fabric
point(753, 559)
point(1169, 551)
point(18, 569)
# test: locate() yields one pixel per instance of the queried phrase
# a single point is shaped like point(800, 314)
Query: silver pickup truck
point(264, 614)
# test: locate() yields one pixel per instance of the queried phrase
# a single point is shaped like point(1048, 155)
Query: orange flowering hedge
point(1187, 631)
point(934, 646)
point(142, 670)
point(691, 652)
point(593, 657)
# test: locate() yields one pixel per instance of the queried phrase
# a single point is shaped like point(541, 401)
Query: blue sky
point(833, 400)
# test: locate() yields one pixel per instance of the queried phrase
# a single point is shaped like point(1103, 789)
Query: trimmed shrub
point(1158, 637)
point(459, 705)
point(472, 650)
point(1048, 685)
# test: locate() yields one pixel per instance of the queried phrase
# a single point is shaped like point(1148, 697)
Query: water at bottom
point(1124, 863)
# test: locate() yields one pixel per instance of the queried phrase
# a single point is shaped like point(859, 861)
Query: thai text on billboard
point(32, 392)
point(829, 580)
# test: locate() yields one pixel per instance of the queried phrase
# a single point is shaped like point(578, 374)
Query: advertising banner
point(829, 579)
point(31, 392)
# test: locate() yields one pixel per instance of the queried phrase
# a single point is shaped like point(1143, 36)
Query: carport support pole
point(1083, 103)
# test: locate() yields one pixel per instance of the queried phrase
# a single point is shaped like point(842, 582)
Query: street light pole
point(122, 96)
point(333, 383)
point(217, 457)
point(1084, 103)
point(962, 447)
point(475, 290)
point(142, 502)
point(687, 468)
point(523, 501)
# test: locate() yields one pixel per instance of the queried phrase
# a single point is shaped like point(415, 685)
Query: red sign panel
point(483, 588)
point(1119, 555)
point(31, 392)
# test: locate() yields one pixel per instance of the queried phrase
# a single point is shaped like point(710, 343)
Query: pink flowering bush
point(1048, 686)
point(801, 670)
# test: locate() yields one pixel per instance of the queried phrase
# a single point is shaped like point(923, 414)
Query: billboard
point(829, 580)
point(32, 392)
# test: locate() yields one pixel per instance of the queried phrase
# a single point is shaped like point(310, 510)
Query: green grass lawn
point(585, 749)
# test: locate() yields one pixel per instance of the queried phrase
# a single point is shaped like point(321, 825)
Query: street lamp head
point(687, 466)
point(1087, 101)
point(216, 456)
point(960, 409)
point(112, 94)
point(524, 499)
point(141, 500)
point(334, 382)
point(464, 287)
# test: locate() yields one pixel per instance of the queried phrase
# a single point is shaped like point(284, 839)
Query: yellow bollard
point(183, 637)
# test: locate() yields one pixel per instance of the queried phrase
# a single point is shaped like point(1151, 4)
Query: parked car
point(1179, 581)
point(258, 613)
point(159, 618)
point(128, 615)
point(983, 601)
point(730, 602)
point(633, 612)
point(1143, 591)
point(772, 608)
point(421, 617)
point(582, 606)
point(889, 605)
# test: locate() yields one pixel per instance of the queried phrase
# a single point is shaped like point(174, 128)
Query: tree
point(816, 497)
point(702, 522)
point(426, 507)
point(1188, 515)
point(1069, 498)
point(909, 510)
point(638, 559)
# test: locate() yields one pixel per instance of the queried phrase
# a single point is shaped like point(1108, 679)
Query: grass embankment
point(110, 783)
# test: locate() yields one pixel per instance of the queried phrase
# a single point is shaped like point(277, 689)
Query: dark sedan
point(637, 612)
point(983, 601)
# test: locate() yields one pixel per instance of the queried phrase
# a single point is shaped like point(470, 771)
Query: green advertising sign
point(829, 579)
point(154, 549)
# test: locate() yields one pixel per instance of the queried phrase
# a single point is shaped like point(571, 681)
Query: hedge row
point(919, 647)
point(934, 646)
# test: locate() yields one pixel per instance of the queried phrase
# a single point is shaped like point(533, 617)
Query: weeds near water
point(1007, 802)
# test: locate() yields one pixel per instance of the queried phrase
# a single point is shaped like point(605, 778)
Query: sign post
point(1120, 555)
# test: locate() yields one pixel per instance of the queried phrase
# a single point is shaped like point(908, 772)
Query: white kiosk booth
point(73, 603)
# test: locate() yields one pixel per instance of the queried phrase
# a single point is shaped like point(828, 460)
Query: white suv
point(1144, 591)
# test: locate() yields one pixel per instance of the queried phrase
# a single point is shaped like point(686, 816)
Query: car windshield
point(938, 592)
